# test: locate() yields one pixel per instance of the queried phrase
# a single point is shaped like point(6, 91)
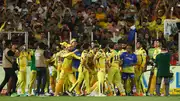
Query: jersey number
point(116, 58)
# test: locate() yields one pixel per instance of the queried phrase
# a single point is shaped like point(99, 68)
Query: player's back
point(84, 58)
point(90, 57)
point(140, 53)
point(101, 59)
point(114, 58)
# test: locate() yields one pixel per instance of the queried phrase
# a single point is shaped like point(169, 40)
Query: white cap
point(28, 1)
point(102, 6)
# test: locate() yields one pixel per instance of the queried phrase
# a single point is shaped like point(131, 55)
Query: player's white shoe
point(101, 95)
point(93, 94)
point(69, 93)
point(47, 94)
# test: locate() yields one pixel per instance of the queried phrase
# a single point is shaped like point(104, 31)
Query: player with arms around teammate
point(129, 59)
point(66, 70)
point(152, 84)
point(100, 63)
point(93, 71)
point(83, 71)
point(114, 76)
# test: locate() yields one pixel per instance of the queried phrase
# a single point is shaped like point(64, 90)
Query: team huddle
point(111, 69)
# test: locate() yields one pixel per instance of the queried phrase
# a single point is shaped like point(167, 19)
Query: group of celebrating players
point(112, 69)
point(103, 70)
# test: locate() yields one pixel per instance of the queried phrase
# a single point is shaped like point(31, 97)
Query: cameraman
point(163, 70)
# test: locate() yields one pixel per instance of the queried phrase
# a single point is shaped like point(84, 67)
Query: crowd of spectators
point(106, 20)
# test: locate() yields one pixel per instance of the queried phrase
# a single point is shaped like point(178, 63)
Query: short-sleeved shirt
point(129, 60)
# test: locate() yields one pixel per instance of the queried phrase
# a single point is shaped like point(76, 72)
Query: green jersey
point(163, 64)
point(33, 65)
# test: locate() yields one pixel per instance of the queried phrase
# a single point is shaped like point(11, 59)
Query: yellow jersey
point(84, 61)
point(141, 57)
point(23, 59)
point(90, 57)
point(100, 59)
point(121, 51)
point(91, 65)
point(114, 58)
point(100, 16)
point(57, 58)
point(67, 60)
point(137, 24)
point(156, 52)
point(154, 26)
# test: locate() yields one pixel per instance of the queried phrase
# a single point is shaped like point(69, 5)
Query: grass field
point(171, 98)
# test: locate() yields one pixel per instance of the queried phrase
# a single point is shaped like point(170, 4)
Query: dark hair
point(159, 19)
point(164, 47)
point(130, 20)
point(85, 46)
point(129, 44)
point(78, 46)
point(41, 45)
point(140, 41)
point(103, 45)
point(7, 43)
point(178, 25)
point(111, 45)
point(121, 41)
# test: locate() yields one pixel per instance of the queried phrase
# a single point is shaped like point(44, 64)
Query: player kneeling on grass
point(163, 70)
point(129, 59)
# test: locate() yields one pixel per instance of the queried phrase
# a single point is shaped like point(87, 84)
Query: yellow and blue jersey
point(76, 62)
point(129, 60)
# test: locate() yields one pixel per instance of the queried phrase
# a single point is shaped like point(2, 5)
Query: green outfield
point(171, 98)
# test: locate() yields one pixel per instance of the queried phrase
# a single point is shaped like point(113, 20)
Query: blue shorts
point(125, 76)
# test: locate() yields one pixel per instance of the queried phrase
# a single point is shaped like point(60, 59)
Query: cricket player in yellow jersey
point(66, 70)
point(140, 66)
point(53, 68)
point(100, 63)
point(23, 62)
point(59, 58)
point(93, 71)
point(153, 79)
point(114, 76)
point(83, 71)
